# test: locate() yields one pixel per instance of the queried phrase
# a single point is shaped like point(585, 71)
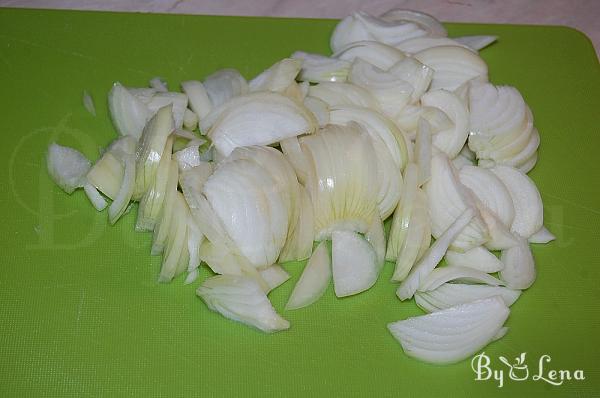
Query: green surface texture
point(81, 313)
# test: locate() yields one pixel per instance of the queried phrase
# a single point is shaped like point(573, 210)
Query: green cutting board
point(81, 313)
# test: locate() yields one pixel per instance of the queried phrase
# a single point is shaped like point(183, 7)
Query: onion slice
point(452, 334)
point(451, 294)
point(314, 279)
point(353, 262)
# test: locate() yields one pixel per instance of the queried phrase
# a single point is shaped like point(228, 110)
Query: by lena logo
point(519, 370)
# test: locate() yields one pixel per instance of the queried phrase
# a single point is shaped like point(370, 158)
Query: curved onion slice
point(423, 151)
point(529, 210)
point(451, 294)
point(241, 299)
point(433, 256)
point(478, 258)
point(379, 54)
point(375, 235)
point(163, 227)
point(353, 263)
point(342, 182)
point(223, 85)
point(291, 148)
point(319, 108)
point(391, 91)
point(245, 198)
point(277, 77)
point(150, 149)
point(490, 190)
point(197, 97)
point(128, 113)
point(334, 94)
point(121, 202)
point(476, 42)
point(407, 120)
point(519, 266)
point(259, 119)
point(448, 198)
point(418, 44)
point(542, 236)
point(417, 239)
point(95, 197)
point(415, 73)
point(178, 102)
point(452, 66)
point(67, 167)
point(274, 276)
point(403, 213)
point(176, 255)
point(314, 279)
point(299, 242)
point(452, 334)
point(439, 276)
point(452, 140)
point(432, 26)
point(152, 201)
point(319, 68)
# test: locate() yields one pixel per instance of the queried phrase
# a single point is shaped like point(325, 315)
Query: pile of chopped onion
point(400, 124)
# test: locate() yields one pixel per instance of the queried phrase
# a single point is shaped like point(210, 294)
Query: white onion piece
point(67, 167)
point(348, 30)
point(192, 180)
point(188, 157)
point(195, 239)
point(452, 294)
point(433, 256)
point(353, 263)
point(319, 109)
point(478, 258)
point(191, 276)
point(374, 52)
point(241, 299)
point(95, 197)
point(439, 276)
point(291, 148)
point(500, 235)
point(106, 174)
point(447, 199)
point(88, 103)
point(319, 68)
point(178, 101)
point(452, 334)
point(519, 266)
point(425, 21)
point(529, 210)
point(163, 227)
point(415, 73)
point(391, 91)
point(259, 119)
point(277, 77)
point(197, 97)
point(220, 259)
point(299, 242)
point(343, 94)
point(176, 256)
point(342, 182)
point(274, 276)
point(423, 151)
point(401, 219)
point(418, 44)
point(407, 120)
point(542, 236)
point(452, 140)
point(476, 42)
point(253, 212)
point(150, 149)
point(314, 279)
point(190, 120)
point(119, 205)
point(452, 66)
point(223, 85)
point(417, 240)
point(490, 190)
point(389, 32)
point(375, 235)
point(151, 202)
point(129, 114)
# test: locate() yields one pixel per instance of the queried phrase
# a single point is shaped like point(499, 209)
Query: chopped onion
point(452, 334)
point(95, 197)
point(519, 266)
point(353, 263)
point(375, 53)
point(314, 279)
point(223, 85)
point(476, 42)
point(542, 236)
point(129, 114)
point(278, 77)
point(334, 94)
point(319, 68)
point(119, 205)
point(243, 300)
point(430, 24)
point(452, 294)
point(442, 275)
point(197, 97)
point(67, 167)
point(433, 256)
point(478, 258)
point(274, 275)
